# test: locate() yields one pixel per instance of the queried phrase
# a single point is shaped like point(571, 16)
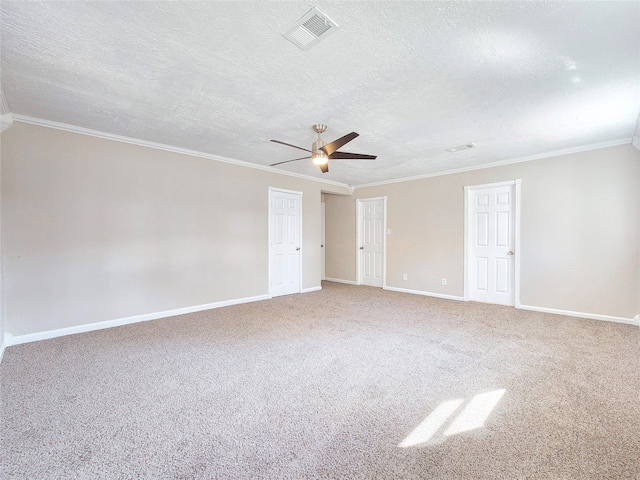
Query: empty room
point(342, 239)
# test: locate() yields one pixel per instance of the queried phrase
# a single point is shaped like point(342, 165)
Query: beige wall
point(95, 230)
point(340, 237)
point(2, 322)
point(579, 233)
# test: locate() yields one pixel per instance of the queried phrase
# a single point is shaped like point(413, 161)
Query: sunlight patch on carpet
point(430, 425)
point(474, 415)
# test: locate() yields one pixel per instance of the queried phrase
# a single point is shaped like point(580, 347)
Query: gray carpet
point(347, 382)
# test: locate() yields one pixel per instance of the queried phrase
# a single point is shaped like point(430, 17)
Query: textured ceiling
point(413, 78)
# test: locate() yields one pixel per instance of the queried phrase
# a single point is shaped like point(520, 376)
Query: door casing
point(468, 211)
point(270, 233)
point(323, 224)
point(359, 203)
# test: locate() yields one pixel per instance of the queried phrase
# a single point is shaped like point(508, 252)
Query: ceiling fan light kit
point(320, 158)
point(322, 152)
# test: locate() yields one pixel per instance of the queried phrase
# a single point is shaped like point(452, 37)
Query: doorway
point(492, 249)
point(371, 254)
point(285, 234)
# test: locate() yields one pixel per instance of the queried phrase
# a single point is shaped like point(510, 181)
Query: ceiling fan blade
point(324, 168)
point(329, 148)
point(287, 161)
point(350, 156)
point(289, 145)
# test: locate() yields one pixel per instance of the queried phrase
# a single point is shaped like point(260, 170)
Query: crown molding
point(218, 158)
point(161, 146)
point(555, 153)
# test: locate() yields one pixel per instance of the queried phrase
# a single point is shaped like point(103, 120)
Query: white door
point(491, 244)
point(323, 237)
point(371, 241)
point(284, 244)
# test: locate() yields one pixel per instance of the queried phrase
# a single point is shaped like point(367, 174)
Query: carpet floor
point(346, 382)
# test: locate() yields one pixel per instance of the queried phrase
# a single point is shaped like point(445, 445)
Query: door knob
point(361, 248)
point(510, 253)
point(321, 246)
point(297, 248)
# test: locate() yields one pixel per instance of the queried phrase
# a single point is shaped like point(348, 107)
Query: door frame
point(468, 210)
point(323, 245)
point(384, 238)
point(269, 233)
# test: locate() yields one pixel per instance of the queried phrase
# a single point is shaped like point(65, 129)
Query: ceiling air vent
point(459, 148)
point(310, 29)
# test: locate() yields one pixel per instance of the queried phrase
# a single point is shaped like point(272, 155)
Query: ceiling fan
point(321, 151)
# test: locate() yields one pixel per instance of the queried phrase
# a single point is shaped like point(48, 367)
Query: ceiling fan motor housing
point(319, 156)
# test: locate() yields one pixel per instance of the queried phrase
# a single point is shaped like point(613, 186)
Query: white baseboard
point(311, 289)
point(426, 294)
point(339, 280)
point(34, 337)
point(592, 316)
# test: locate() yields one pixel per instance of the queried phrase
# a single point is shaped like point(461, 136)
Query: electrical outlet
point(404, 276)
point(444, 281)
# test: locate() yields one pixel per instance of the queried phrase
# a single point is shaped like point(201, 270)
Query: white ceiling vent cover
point(459, 148)
point(310, 29)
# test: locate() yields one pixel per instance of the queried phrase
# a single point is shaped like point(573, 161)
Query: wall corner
point(6, 117)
